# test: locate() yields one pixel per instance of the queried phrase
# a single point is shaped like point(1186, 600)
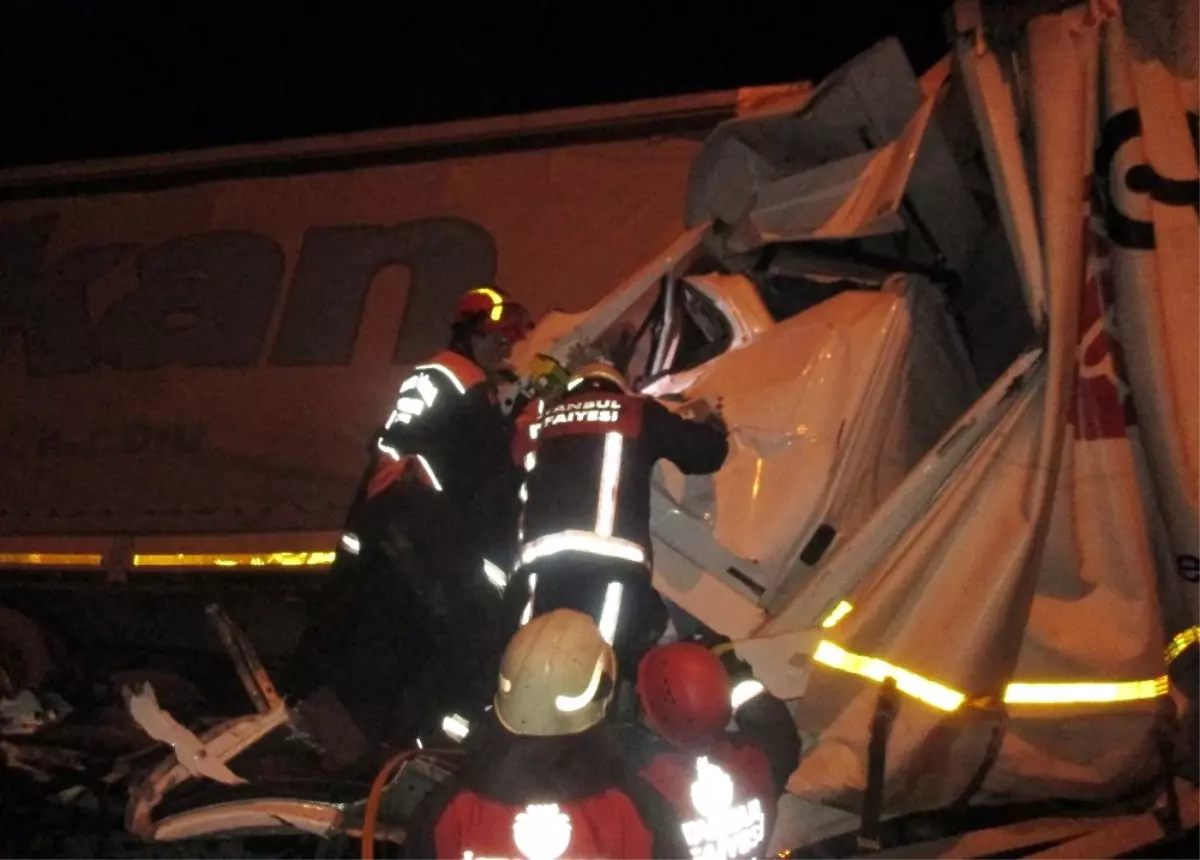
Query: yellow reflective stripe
point(1084, 693)
point(1181, 642)
point(929, 692)
point(273, 559)
point(497, 310)
point(1017, 693)
point(839, 612)
point(52, 559)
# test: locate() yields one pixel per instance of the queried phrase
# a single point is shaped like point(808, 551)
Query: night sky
point(97, 78)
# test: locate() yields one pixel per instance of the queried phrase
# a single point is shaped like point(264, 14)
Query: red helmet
point(492, 311)
point(684, 691)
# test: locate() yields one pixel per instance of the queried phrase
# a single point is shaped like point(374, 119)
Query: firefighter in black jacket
point(584, 532)
point(428, 536)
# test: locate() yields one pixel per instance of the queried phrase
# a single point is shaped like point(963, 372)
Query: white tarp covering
point(1039, 581)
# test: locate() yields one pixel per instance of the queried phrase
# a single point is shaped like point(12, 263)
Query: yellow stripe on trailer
point(51, 559)
point(273, 559)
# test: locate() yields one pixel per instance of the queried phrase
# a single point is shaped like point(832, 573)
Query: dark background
point(98, 78)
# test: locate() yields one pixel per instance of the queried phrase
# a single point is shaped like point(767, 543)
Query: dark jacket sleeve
point(767, 723)
point(695, 447)
point(659, 817)
point(419, 840)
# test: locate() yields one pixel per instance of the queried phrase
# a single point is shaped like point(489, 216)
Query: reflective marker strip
point(446, 372)
point(412, 405)
point(1017, 693)
point(1181, 641)
point(1084, 693)
point(497, 310)
point(839, 612)
point(52, 559)
point(494, 573)
point(570, 704)
point(429, 472)
point(929, 692)
point(351, 543)
point(611, 613)
point(424, 386)
point(745, 691)
point(528, 612)
point(455, 726)
point(610, 482)
point(388, 449)
point(581, 541)
point(274, 559)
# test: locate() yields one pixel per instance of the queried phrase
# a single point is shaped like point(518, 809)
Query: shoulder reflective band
point(744, 691)
point(611, 613)
point(570, 704)
point(446, 372)
point(581, 541)
point(410, 405)
point(424, 386)
point(413, 405)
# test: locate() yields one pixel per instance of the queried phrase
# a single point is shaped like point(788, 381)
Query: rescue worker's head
point(557, 676)
point(486, 324)
point(684, 694)
point(598, 376)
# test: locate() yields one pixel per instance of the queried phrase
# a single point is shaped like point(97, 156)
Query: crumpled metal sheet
point(189, 749)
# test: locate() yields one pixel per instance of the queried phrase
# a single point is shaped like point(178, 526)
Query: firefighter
point(584, 532)
point(549, 781)
point(429, 535)
point(720, 782)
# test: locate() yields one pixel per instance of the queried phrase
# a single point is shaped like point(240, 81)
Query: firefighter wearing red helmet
point(719, 781)
point(547, 778)
point(429, 534)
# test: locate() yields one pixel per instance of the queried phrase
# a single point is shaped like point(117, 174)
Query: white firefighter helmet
point(599, 372)
point(557, 676)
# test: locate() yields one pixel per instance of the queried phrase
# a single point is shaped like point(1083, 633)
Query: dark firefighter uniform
point(426, 542)
point(549, 780)
point(584, 533)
